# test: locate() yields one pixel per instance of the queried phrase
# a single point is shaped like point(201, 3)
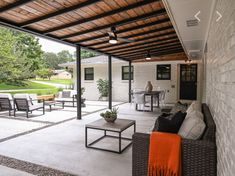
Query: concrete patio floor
point(62, 146)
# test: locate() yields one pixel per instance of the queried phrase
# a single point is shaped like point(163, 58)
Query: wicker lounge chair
point(6, 102)
point(24, 103)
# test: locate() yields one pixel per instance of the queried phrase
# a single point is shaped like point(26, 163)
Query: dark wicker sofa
point(198, 156)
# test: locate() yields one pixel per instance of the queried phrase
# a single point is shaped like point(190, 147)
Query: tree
point(20, 55)
point(64, 56)
point(44, 73)
point(87, 54)
point(50, 60)
point(29, 50)
point(9, 67)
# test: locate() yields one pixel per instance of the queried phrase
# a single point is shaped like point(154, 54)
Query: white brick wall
point(220, 83)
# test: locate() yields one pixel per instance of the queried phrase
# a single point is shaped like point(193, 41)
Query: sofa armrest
point(140, 152)
point(199, 158)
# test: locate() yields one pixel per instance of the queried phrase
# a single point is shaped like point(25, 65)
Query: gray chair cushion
point(66, 94)
point(37, 106)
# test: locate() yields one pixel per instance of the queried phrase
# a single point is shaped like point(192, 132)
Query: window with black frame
point(164, 72)
point(125, 72)
point(89, 73)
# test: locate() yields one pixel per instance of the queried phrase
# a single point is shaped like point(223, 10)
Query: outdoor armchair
point(23, 103)
point(6, 102)
point(139, 99)
point(67, 96)
point(33, 98)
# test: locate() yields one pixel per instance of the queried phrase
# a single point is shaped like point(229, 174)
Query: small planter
point(110, 119)
point(110, 116)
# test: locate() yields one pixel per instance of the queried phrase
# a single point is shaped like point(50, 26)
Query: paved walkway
point(51, 84)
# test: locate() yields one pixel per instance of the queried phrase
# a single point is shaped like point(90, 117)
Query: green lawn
point(38, 92)
point(58, 81)
point(28, 85)
point(40, 89)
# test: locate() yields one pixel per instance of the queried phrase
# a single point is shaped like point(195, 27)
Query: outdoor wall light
point(112, 40)
point(148, 57)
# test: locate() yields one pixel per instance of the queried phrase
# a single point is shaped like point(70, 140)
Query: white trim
point(169, 12)
point(210, 21)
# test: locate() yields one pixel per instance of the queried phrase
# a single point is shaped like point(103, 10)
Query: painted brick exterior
point(143, 72)
point(220, 83)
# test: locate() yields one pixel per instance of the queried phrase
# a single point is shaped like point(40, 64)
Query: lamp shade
point(112, 40)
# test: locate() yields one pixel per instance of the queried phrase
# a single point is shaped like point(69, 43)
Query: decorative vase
point(149, 87)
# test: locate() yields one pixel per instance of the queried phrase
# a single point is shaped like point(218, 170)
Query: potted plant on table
point(110, 115)
point(103, 86)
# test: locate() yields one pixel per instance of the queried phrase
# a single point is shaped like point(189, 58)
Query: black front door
point(188, 81)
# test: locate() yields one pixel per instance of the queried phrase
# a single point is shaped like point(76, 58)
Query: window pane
point(164, 72)
point(125, 72)
point(89, 70)
point(126, 69)
point(126, 76)
point(89, 73)
point(89, 77)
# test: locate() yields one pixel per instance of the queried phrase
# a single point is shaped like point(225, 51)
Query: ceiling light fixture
point(148, 57)
point(112, 39)
point(188, 61)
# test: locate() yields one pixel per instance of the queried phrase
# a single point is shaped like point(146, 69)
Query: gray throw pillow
point(192, 127)
point(179, 107)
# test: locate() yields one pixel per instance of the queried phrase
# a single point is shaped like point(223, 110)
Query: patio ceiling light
point(112, 39)
point(148, 56)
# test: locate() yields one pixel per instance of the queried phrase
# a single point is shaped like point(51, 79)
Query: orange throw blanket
point(164, 154)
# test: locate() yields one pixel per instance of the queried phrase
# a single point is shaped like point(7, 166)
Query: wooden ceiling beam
point(152, 50)
point(144, 45)
point(125, 45)
point(103, 15)
point(170, 57)
point(119, 23)
point(14, 5)
point(59, 12)
point(137, 35)
point(147, 48)
point(174, 51)
point(125, 30)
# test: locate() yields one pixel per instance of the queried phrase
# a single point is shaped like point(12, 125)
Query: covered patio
point(195, 41)
point(139, 29)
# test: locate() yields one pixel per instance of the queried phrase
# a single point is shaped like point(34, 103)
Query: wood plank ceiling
point(87, 23)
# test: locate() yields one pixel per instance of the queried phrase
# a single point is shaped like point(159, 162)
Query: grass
point(38, 92)
point(57, 81)
point(28, 85)
point(40, 89)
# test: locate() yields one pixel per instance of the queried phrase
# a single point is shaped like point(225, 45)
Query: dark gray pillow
point(171, 125)
point(164, 115)
point(179, 107)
